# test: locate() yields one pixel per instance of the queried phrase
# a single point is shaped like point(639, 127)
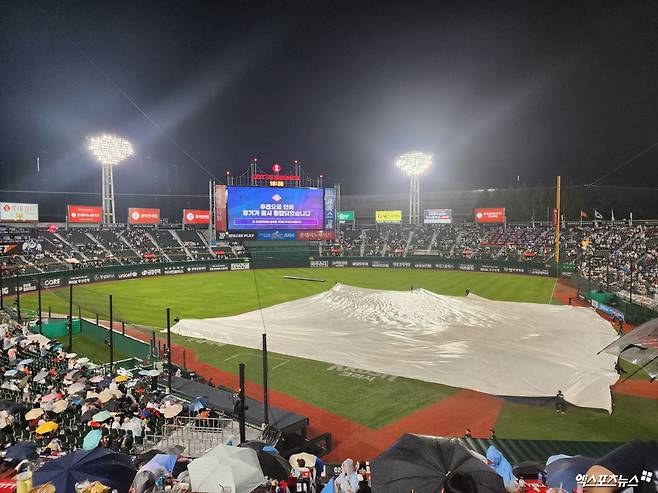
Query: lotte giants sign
point(196, 216)
point(138, 215)
point(490, 215)
point(84, 214)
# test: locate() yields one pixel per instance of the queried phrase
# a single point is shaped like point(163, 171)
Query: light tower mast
point(109, 150)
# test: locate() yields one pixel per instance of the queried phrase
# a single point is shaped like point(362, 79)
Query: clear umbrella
point(226, 467)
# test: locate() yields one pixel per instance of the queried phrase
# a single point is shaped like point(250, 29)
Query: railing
point(197, 435)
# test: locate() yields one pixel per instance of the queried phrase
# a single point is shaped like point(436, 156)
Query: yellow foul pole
point(557, 224)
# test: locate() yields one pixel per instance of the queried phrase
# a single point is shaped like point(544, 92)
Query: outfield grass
point(206, 295)
point(373, 403)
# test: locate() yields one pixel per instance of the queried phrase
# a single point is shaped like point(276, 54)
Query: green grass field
point(378, 402)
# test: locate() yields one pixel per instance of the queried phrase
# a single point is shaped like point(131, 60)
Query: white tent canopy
point(496, 347)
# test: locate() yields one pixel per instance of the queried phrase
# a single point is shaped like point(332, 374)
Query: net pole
point(39, 301)
point(557, 224)
point(241, 408)
point(18, 299)
point(111, 339)
point(169, 350)
point(266, 406)
point(70, 318)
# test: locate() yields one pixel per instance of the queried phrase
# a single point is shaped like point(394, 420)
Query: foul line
point(550, 301)
point(280, 364)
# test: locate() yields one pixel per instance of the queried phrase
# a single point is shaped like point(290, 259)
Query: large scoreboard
point(258, 208)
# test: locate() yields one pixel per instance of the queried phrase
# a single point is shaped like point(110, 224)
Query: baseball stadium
point(454, 291)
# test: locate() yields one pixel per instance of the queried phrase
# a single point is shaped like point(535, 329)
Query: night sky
point(492, 90)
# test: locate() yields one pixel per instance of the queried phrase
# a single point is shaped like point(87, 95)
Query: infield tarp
point(496, 347)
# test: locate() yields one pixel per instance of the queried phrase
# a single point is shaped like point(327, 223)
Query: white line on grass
point(281, 364)
point(552, 292)
point(234, 356)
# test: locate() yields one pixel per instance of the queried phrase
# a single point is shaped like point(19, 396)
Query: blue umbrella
point(168, 461)
point(199, 403)
point(21, 451)
point(144, 373)
point(92, 439)
point(25, 362)
point(10, 373)
point(563, 472)
point(112, 469)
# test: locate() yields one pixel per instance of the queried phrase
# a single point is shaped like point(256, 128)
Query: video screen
point(275, 208)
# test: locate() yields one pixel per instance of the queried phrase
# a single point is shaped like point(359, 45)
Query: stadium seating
point(613, 249)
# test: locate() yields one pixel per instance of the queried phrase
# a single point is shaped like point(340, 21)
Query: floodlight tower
point(109, 150)
point(413, 164)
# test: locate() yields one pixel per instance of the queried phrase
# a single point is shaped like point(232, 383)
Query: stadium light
point(109, 150)
point(414, 163)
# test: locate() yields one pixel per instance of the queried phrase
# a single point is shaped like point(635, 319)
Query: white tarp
point(496, 347)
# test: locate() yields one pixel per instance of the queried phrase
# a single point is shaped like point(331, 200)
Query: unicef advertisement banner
point(437, 216)
point(329, 208)
point(276, 235)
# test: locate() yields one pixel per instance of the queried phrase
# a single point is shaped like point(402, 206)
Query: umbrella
point(12, 407)
point(71, 355)
point(309, 459)
point(40, 376)
point(145, 457)
point(88, 415)
point(21, 451)
point(273, 466)
point(10, 373)
point(111, 406)
point(34, 414)
point(422, 463)
point(51, 397)
point(26, 362)
point(171, 399)
point(83, 361)
point(563, 472)
point(144, 373)
point(101, 416)
point(172, 411)
point(121, 378)
point(9, 386)
point(92, 439)
point(60, 406)
point(76, 387)
point(167, 461)
point(154, 373)
point(47, 427)
point(198, 403)
point(225, 467)
point(106, 395)
point(110, 468)
point(75, 400)
point(73, 375)
point(96, 379)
